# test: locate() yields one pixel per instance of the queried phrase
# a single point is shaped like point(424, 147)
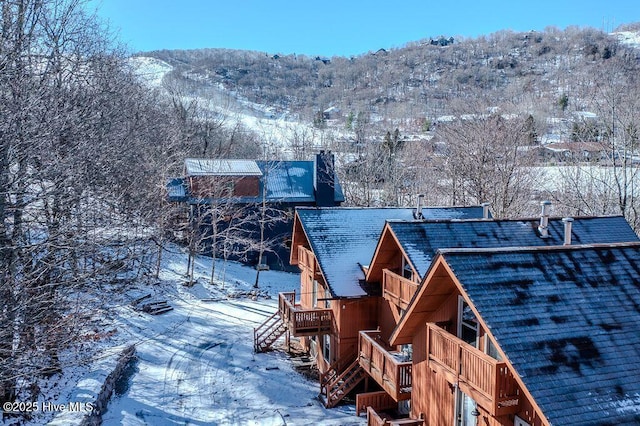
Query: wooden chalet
point(406, 250)
point(357, 285)
point(526, 336)
point(332, 247)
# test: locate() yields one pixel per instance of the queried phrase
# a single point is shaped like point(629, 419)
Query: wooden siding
point(224, 186)
point(352, 315)
point(377, 400)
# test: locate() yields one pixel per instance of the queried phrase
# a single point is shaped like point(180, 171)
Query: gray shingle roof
point(420, 240)
point(567, 318)
point(345, 238)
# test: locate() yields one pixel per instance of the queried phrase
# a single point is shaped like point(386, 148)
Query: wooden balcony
point(488, 381)
point(301, 321)
point(387, 368)
point(397, 289)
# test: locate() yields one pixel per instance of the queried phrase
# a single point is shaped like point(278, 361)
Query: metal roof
point(420, 240)
point(567, 319)
point(292, 181)
point(221, 167)
point(343, 239)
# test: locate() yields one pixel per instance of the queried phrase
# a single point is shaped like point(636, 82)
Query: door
point(466, 412)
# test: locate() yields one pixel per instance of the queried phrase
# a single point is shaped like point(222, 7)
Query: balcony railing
point(388, 368)
point(301, 321)
point(397, 289)
point(376, 419)
point(488, 381)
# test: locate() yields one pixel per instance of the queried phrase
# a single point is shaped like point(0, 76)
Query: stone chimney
point(324, 179)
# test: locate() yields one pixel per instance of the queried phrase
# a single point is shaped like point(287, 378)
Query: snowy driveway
point(196, 366)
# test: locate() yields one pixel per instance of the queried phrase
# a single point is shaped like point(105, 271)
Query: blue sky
point(333, 27)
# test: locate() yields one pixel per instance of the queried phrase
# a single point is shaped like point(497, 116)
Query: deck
point(386, 367)
point(488, 381)
point(302, 321)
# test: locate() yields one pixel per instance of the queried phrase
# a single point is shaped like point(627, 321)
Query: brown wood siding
point(386, 318)
point(247, 186)
point(219, 186)
point(419, 372)
point(353, 315)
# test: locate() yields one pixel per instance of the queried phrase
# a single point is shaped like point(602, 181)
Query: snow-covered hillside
point(630, 38)
point(277, 130)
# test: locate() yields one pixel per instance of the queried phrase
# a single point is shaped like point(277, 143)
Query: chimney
point(418, 213)
point(568, 222)
point(324, 181)
point(543, 228)
point(485, 210)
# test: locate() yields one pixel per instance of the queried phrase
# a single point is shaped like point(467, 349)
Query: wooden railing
point(375, 419)
point(304, 322)
point(397, 289)
point(488, 381)
point(377, 400)
point(385, 366)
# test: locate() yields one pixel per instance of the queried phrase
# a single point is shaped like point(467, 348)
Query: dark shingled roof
point(420, 240)
point(567, 318)
point(343, 239)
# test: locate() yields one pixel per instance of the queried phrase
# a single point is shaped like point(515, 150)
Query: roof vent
point(543, 228)
point(418, 213)
point(568, 222)
point(485, 210)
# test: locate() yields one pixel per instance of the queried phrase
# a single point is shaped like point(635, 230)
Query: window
point(490, 349)
point(314, 293)
point(468, 327)
point(517, 421)
point(407, 272)
point(326, 347)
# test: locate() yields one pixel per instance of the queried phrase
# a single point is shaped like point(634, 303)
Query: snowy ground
point(196, 363)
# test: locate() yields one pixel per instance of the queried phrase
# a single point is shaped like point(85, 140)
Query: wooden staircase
point(268, 332)
point(334, 386)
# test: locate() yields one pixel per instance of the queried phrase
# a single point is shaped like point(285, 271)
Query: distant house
point(526, 336)
point(241, 186)
point(574, 151)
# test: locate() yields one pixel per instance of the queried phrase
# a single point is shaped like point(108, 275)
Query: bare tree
point(487, 160)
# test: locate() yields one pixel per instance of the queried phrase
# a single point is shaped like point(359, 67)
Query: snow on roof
point(221, 167)
point(566, 317)
point(421, 240)
point(344, 238)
